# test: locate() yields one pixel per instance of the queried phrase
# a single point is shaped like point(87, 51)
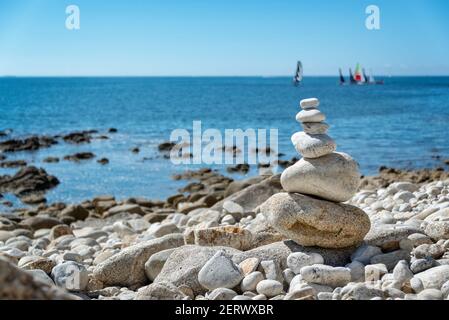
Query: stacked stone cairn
point(311, 211)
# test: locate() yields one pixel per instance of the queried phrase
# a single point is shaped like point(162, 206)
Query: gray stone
point(250, 282)
point(297, 260)
point(388, 236)
point(402, 272)
point(420, 265)
point(155, 263)
point(430, 294)
point(390, 259)
point(279, 251)
point(220, 272)
point(312, 222)
point(326, 275)
point(41, 275)
point(333, 177)
point(357, 271)
point(184, 264)
point(364, 253)
point(221, 294)
point(71, 276)
point(127, 268)
point(271, 270)
point(313, 145)
point(363, 291)
point(434, 278)
point(160, 291)
point(438, 230)
point(269, 288)
point(300, 293)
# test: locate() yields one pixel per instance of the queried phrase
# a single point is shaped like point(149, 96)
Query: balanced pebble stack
point(310, 212)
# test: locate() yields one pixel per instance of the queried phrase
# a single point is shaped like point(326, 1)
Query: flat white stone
point(309, 103)
point(313, 145)
point(310, 115)
point(333, 177)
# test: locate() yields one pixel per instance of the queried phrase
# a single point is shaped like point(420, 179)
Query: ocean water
point(403, 123)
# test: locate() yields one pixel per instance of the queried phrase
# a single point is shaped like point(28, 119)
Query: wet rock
point(51, 160)
point(27, 144)
point(103, 161)
point(13, 164)
point(240, 168)
point(28, 180)
point(80, 156)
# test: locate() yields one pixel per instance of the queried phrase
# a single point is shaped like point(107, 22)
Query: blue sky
point(222, 37)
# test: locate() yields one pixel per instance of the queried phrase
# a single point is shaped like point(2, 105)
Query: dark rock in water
point(103, 161)
point(80, 156)
point(28, 180)
point(28, 144)
point(51, 160)
point(13, 164)
point(78, 137)
point(287, 163)
point(21, 285)
point(102, 137)
point(5, 133)
point(2, 157)
point(112, 130)
point(166, 146)
point(33, 199)
point(135, 150)
point(242, 168)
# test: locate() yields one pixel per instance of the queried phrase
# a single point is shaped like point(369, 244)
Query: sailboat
point(342, 79)
point(371, 79)
point(359, 77)
point(351, 77)
point(298, 74)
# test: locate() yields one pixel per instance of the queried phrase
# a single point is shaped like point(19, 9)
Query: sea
point(403, 123)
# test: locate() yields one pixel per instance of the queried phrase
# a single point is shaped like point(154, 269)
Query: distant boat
point(298, 74)
point(351, 77)
point(342, 79)
point(359, 77)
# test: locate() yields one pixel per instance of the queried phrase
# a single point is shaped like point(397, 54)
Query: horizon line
point(206, 76)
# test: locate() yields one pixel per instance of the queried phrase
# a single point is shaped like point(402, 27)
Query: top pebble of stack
point(310, 103)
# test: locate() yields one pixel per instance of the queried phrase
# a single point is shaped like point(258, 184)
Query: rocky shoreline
point(219, 239)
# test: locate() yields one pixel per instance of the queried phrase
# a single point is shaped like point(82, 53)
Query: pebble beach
point(318, 231)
